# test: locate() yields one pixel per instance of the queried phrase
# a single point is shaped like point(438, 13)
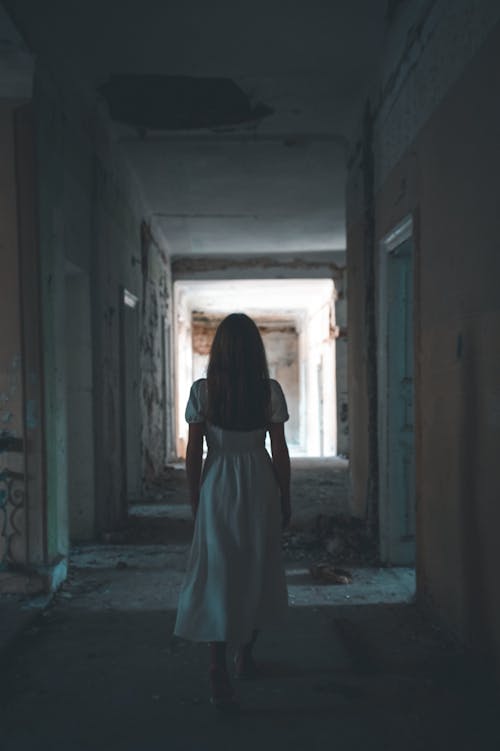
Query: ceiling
point(269, 185)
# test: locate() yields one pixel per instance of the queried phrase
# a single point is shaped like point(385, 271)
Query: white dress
point(235, 579)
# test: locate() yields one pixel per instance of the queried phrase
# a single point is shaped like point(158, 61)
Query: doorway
point(296, 318)
point(396, 397)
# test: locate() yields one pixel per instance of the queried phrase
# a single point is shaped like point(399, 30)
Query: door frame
point(403, 231)
point(130, 418)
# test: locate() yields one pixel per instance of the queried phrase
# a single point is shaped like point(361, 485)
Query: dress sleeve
point(195, 407)
point(279, 410)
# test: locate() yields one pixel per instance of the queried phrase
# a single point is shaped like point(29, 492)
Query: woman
point(235, 581)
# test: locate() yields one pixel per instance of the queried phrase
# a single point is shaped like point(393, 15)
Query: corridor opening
point(296, 318)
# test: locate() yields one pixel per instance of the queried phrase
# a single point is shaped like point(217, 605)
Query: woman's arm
point(194, 458)
point(281, 463)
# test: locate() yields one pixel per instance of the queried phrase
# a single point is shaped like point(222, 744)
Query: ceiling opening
point(163, 102)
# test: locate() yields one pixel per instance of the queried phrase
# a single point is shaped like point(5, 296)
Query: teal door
point(400, 480)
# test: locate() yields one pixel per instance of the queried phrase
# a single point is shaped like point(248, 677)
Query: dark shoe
point(222, 694)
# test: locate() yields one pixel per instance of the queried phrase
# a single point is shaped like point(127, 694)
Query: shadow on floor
point(366, 677)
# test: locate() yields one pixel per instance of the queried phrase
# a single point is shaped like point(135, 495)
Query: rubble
point(325, 572)
point(332, 539)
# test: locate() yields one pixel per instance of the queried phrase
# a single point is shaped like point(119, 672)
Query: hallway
point(99, 669)
point(330, 169)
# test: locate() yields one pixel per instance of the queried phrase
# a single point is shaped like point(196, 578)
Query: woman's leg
point(218, 651)
point(220, 685)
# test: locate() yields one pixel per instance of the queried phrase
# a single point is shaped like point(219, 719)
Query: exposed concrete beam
point(309, 265)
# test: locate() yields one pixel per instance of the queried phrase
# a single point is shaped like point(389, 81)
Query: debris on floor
point(325, 572)
point(334, 539)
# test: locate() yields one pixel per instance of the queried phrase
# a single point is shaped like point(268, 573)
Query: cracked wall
point(154, 356)
point(12, 546)
point(90, 226)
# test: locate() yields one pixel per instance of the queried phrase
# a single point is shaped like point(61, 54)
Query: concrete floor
point(357, 667)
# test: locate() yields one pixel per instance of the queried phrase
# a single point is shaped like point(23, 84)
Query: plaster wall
point(281, 347)
point(11, 380)
point(318, 366)
point(21, 381)
point(444, 174)
point(459, 359)
point(31, 332)
point(81, 496)
point(155, 356)
point(183, 366)
point(341, 366)
point(90, 215)
point(357, 369)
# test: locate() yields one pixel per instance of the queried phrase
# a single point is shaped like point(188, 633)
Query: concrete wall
point(79, 392)
point(155, 356)
point(22, 501)
point(358, 365)
point(435, 156)
point(341, 366)
point(310, 265)
point(11, 378)
point(282, 350)
point(318, 372)
point(32, 354)
point(23, 538)
point(74, 237)
point(90, 216)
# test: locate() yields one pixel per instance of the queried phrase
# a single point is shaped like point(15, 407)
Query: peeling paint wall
point(34, 455)
point(90, 222)
point(12, 546)
point(341, 366)
point(11, 396)
point(154, 355)
point(436, 157)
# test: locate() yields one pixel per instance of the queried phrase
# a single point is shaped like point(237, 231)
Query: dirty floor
point(357, 667)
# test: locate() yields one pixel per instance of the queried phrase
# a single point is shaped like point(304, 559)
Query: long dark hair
point(237, 376)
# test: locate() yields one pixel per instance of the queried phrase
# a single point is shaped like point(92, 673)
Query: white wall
point(184, 375)
point(318, 354)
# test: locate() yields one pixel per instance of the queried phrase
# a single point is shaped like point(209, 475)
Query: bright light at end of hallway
point(296, 318)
